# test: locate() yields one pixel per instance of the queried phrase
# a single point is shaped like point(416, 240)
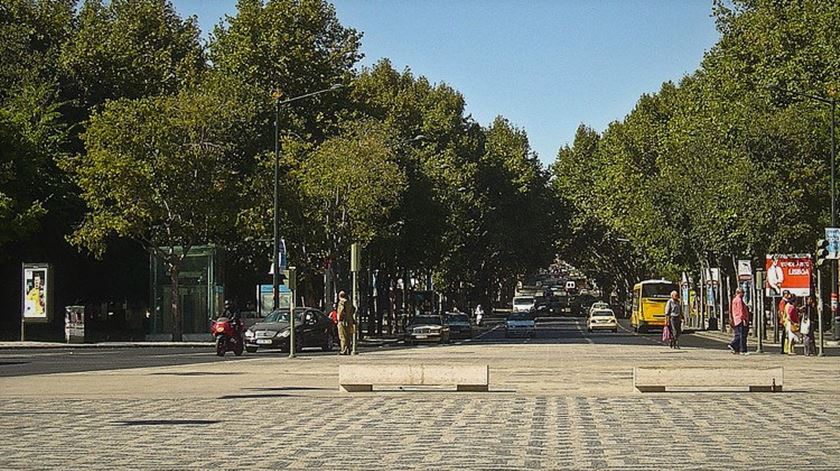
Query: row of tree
point(729, 162)
point(117, 120)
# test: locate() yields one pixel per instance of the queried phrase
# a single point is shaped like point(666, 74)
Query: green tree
point(163, 171)
point(131, 49)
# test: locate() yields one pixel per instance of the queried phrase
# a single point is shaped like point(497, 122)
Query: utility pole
point(355, 266)
point(759, 306)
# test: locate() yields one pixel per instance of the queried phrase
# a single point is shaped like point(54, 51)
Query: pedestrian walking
point(739, 319)
point(791, 325)
point(479, 314)
point(673, 314)
point(345, 313)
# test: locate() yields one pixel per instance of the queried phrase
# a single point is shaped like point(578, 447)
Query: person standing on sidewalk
point(780, 314)
point(346, 322)
point(739, 319)
point(673, 313)
point(791, 326)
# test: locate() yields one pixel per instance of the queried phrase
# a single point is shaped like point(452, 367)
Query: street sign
point(745, 270)
point(832, 236)
point(791, 272)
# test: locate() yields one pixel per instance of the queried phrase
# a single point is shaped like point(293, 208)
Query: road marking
point(485, 333)
point(583, 334)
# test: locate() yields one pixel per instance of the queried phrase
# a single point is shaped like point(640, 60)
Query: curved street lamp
point(275, 264)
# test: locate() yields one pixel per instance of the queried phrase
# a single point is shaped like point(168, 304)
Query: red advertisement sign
point(788, 272)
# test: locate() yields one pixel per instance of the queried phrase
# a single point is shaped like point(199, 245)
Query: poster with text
point(788, 272)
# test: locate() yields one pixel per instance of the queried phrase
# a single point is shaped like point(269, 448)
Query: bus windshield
point(658, 290)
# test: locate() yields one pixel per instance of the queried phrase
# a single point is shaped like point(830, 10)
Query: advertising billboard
point(36, 292)
point(791, 272)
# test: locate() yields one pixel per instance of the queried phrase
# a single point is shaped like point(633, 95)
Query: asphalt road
point(566, 330)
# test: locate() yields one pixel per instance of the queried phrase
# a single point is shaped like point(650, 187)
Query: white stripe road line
point(583, 334)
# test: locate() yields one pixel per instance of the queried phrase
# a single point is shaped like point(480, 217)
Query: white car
point(520, 324)
point(598, 306)
point(523, 303)
point(602, 319)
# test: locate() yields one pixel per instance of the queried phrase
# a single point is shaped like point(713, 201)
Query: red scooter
point(228, 334)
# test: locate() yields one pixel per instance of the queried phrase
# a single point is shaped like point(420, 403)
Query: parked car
point(459, 325)
point(427, 328)
point(312, 329)
point(523, 303)
point(602, 319)
point(520, 324)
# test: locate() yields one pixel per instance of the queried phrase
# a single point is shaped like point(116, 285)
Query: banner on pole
point(832, 236)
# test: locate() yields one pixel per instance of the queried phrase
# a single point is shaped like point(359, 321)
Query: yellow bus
point(649, 298)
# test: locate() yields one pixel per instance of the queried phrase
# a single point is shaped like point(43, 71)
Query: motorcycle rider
point(232, 313)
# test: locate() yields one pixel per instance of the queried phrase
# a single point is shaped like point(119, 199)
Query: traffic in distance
point(540, 299)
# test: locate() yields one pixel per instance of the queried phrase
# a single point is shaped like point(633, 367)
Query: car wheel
point(329, 345)
point(251, 349)
point(615, 331)
point(590, 330)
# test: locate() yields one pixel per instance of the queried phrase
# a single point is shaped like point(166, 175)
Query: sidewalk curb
point(111, 345)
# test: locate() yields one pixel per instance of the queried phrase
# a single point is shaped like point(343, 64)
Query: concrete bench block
point(660, 379)
point(362, 377)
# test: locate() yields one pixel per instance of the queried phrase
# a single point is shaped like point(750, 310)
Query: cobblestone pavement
point(433, 431)
point(551, 406)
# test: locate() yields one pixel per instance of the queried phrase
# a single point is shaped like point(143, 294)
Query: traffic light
point(822, 252)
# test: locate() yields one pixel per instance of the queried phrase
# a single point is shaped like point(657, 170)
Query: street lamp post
point(275, 263)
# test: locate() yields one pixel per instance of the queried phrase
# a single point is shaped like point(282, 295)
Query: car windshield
point(599, 305)
point(283, 316)
point(459, 318)
point(658, 290)
point(426, 320)
point(520, 316)
point(523, 301)
point(602, 313)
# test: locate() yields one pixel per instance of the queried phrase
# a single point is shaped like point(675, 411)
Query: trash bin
point(74, 324)
point(713, 324)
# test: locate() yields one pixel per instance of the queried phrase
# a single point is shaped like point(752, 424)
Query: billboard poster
point(791, 272)
point(265, 298)
point(36, 292)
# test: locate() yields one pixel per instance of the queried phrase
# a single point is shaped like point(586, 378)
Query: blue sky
point(548, 66)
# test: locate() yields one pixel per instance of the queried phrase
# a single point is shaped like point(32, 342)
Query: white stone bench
point(660, 379)
point(362, 377)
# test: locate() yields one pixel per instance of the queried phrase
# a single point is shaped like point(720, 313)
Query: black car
point(312, 329)
point(459, 325)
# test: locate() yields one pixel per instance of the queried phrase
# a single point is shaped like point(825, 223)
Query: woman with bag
point(791, 326)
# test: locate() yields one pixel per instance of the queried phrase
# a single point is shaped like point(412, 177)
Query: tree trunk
point(177, 322)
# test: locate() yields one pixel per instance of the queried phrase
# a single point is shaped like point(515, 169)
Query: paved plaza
point(561, 402)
